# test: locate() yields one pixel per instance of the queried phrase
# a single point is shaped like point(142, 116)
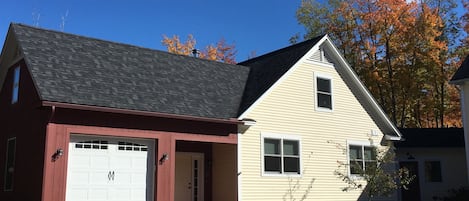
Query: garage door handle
point(110, 176)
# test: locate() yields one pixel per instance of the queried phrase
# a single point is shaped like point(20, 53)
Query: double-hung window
point(323, 93)
point(361, 159)
point(281, 155)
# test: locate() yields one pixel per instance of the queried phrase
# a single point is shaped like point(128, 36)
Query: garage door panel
point(138, 194)
point(98, 194)
point(78, 193)
point(80, 178)
point(123, 178)
point(139, 163)
point(81, 161)
point(122, 162)
point(99, 177)
point(137, 177)
point(122, 194)
point(99, 162)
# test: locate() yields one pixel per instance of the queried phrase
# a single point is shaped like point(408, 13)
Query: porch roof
point(431, 137)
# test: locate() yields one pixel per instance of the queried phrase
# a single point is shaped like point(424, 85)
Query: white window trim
point(6, 164)
point(356, 143)
point(323, 76)
point(282, 137)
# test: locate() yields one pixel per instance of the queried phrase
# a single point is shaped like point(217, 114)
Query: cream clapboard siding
point(290, 110)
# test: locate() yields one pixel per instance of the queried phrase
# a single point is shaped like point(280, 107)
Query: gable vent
point(320, 56)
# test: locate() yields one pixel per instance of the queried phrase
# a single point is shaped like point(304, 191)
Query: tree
point(400, 50)
point(380, 177)
point(221, 51)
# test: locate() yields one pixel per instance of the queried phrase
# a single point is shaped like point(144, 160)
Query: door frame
point(415, 182)
point(201, 173)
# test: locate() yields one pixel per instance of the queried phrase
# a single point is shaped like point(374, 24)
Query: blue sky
point(252, 25)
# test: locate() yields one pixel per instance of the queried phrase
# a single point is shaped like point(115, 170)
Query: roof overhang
point(393, 138)
point(386, 125)
point(9, 55)
point(232, 121)
point(459, 82)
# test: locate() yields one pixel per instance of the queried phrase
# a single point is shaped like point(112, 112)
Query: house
point(461, 78)
point(86, 119)
point(437, 157)
point(311, 112)
point(89, 119)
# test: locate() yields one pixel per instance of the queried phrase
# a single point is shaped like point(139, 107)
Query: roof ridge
point(82, 36)
point(117, 43)
point(281, 50)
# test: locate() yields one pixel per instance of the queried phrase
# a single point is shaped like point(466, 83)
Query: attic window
point(323, 93)
point(16, 85)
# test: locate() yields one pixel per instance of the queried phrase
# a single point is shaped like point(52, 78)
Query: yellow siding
point(289, 109)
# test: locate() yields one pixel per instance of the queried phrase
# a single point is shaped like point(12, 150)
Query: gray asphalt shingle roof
point(74, 69)
point(431, 137)
point(268, 68)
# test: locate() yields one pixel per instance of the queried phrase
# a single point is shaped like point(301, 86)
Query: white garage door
point(108, 169)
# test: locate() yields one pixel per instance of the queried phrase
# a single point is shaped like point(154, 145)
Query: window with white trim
point(324, 93)
point(361, 159)
point(16, 85)
point(9, 164)
point(281, 155)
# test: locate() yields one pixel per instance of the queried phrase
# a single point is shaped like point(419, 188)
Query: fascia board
point(362, 89)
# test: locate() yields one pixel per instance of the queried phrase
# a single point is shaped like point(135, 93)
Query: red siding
point(27, 123)
point(114, 120)
point(39, 134)
point(58, 137)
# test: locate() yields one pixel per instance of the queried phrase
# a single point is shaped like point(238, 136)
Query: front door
point(189, 177)
point(109, 169)
point(413, 191)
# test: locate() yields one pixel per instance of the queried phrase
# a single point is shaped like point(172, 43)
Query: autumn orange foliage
point(221, 51)
point(399, 50)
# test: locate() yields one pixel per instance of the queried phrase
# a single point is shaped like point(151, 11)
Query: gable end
point(321, 56)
